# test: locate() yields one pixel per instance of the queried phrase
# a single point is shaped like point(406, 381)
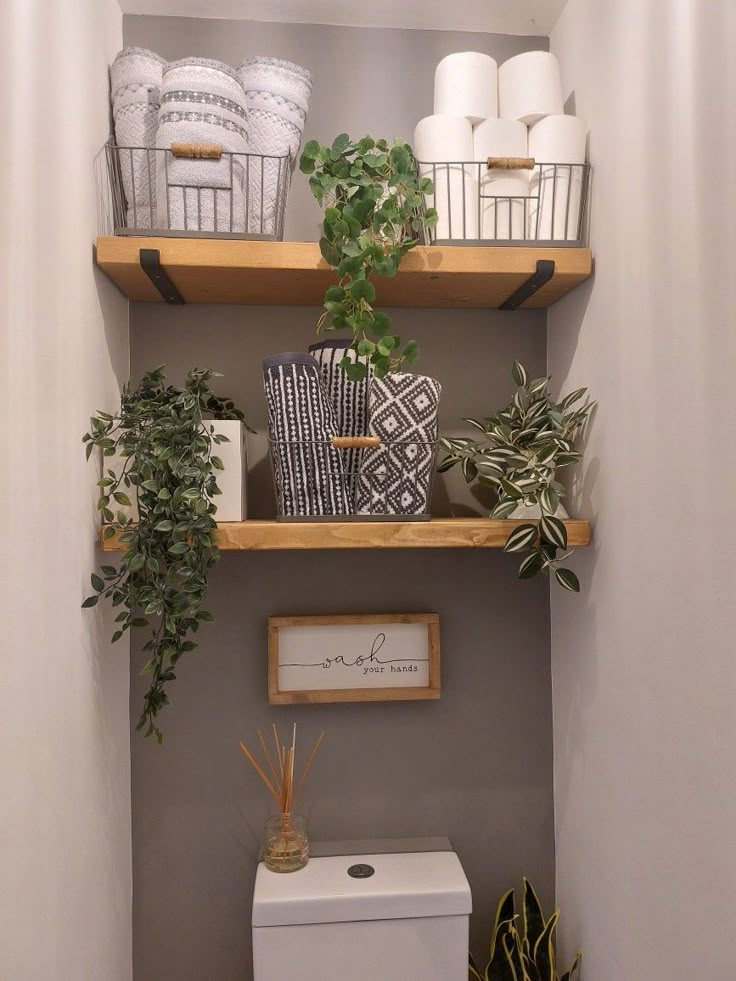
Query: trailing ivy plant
point(518, 455)
point(165, 466)
point(373, 198)
point(523, 948)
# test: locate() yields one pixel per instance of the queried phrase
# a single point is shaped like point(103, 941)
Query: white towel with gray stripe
point(349, 399)
point(277, 99)
point(307, 469)
point(396, 478)
point(202, 101)
point(135, 82)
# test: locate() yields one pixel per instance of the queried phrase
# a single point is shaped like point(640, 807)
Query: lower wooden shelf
point(438, 533)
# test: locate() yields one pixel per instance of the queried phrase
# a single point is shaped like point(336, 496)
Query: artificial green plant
point(523, 947)
point(521, 449)
point(372, 194)
point(164, 466)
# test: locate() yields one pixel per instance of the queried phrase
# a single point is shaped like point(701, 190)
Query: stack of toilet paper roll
point(516, 110)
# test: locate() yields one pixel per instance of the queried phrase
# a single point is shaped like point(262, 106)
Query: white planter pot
point(231, 503)
point(533, 512)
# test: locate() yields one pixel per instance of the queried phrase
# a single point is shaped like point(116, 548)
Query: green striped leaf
point(553, 531)
point(572, 398)
point(504, 508)
point(537, 385)
point(568, 580)
point(511, 489)
point(521, 538)
point(549, 500)
point(533, 917)
point(531, 565)
point(518, 373)
point(505, 912)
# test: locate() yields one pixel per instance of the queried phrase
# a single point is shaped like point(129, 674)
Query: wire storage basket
point(197, 190)
point(508, 201)
point(353, 478)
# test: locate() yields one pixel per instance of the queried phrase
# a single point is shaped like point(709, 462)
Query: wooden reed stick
point(269, 761)
point(256, 766)
point(279, 757)
point(308, 764)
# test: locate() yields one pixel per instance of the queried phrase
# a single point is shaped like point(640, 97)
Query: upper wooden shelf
point(294, 273)
point(438, 533)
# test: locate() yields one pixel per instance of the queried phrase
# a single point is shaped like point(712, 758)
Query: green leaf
point(366, 348)
point(568, 580)
point(122, 499)
point(97, 583)
point(549, 500)
point(521, 538)
point(362, 289)
point(511, 489)
point(335, 294)
point(178, 548)
point(553, 531)
point(568, 975)
point(532, 915)
point(90, 601)
point(356, 371)
point(505, 912)
point(164, 526)
point(543, 950)
point(340, 144)
point(504, 508)
point(519, 374)
point(531, 565)
point(411, 352)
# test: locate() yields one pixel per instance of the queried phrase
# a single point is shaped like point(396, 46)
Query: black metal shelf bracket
point(544, 272)
point(150, 260)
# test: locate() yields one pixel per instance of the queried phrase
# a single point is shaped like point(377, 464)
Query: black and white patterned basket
point(367, 479)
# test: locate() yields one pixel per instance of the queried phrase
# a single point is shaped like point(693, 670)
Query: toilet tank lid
point(402, 886)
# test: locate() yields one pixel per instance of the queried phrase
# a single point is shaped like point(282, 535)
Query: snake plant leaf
point(544, 949)
point(568, 580)
point(553, 531)
point(473, 972)
point(521, 538)
point(501, 966)
point(505, 912)
point(568, 975)
point(533, 917)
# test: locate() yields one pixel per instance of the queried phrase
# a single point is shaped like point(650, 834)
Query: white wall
point(644, 662)
point(64, 738)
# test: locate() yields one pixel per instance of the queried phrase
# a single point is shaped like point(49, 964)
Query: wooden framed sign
point(371, 658)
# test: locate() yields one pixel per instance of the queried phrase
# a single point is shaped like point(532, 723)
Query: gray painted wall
point(476, 765)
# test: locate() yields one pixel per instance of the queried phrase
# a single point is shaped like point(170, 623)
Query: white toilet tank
point(393, 916)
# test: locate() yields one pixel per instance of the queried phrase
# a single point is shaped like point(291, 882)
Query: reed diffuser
point(286, 845)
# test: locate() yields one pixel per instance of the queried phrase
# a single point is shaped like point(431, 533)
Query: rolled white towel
point(135, 80)
point(504, 200)
point(201, 102)
point(277, 97)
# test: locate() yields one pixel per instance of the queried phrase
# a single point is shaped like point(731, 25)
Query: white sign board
point(353, 658)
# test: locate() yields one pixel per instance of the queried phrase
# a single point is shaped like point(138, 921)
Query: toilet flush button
point(361, 871)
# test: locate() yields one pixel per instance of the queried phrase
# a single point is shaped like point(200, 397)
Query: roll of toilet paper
point(504, 194)
point(443, 146)
point(466, 84)
point(529, 87)
point(557, 143)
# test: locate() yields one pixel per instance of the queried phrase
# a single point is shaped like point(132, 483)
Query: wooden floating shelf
point(294, 273)
point(438, 533)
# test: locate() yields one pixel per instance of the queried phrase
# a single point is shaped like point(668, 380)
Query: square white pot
point(231, 503)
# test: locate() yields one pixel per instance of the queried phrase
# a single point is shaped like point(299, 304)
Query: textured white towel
point(277, 99)
point(135, 80)
point(201, 102)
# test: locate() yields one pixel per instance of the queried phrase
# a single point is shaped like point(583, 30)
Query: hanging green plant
point(521, 449)
point(373, 198)
point(165, 462)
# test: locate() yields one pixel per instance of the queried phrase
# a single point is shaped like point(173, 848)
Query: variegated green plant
point(523, 947)
point(521, 449)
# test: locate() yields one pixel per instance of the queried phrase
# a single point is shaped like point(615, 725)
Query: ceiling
point(495, 16)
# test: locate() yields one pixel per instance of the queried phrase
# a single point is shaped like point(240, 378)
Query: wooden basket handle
point(355, 442)
point(511, 163)
point(197, 151)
